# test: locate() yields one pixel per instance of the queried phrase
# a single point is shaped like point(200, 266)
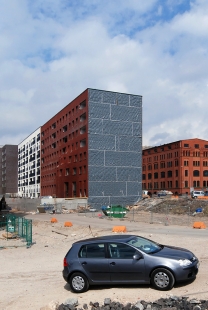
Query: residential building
point(180, 167)
point(29, 166)
point(93, 147)
point(8, 169)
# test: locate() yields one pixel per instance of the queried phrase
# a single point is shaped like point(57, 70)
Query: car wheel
point(78, 283)
point(162, 279)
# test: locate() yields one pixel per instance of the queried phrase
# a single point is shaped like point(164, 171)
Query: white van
point(196, 194)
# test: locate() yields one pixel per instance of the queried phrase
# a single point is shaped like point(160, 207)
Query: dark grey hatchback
point(127, 259)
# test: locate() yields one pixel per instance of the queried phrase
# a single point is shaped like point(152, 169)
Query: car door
point(123, 267)
point(94, 262)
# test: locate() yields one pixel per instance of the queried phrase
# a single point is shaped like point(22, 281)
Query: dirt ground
point(32, 277)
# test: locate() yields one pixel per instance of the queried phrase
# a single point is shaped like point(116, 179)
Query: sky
point(51, 51)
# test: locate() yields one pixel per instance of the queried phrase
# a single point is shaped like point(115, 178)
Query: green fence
point(18, 225)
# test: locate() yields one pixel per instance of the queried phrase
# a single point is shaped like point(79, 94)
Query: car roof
point(122, 238)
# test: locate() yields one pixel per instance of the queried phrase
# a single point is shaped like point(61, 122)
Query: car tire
point(162, 279)
point(78, 282)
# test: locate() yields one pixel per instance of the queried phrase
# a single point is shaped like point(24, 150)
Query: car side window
point(121, 251)
point(95, 250)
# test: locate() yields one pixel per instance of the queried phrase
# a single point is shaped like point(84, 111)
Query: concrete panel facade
point(115, 148)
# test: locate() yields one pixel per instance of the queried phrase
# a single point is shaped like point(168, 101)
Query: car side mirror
point(137, 257)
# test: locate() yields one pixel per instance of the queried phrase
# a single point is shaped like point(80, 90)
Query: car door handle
point(112, 263)
point(84, 263)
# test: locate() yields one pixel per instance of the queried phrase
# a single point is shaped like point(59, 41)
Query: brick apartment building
point(8, 169)
point(179, 167)
point(93, 147)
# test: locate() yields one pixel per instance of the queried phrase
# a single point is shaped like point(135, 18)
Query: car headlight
point(184, 262)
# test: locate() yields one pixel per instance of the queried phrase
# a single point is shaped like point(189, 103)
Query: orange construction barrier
point(68, 224)
point(203, 197)
point(199, 225)
point(54, 220)
point(119, 229)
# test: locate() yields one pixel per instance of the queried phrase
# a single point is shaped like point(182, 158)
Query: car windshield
point(145, 245)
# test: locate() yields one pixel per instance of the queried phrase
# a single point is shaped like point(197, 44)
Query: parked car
point(127, 259)
point(196, 194)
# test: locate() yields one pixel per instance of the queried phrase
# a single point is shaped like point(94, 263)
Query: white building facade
point(29, 166)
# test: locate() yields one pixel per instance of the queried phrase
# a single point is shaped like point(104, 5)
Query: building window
point(186, 145)
point(186, 173)
point(186, 163)
point(205, 183)
point(176, 173)
point(169, 174)
point(82, 143)
point(65, 139)
point(82, 130)
point(80, 170)
point(83, 117)
point(155, 175)
point(206, 146)
point(196, 184)
point(149, 176)
point(162, 165)
point(196, 146)
point(196, 163)
point(162, 174)
point(67, 171)
point(169, 184)
point(186, 183)
point(149, 167)
point(196, 173)
point(149, 185)
point(144, 168)
point(53, 126)
point(60, 172)
point(156, 166)
point(205, 163)
point(176, 183)
point(205, 173)
point(143, 176)
point(74, 171)
point(82, 105)
point(196, 154)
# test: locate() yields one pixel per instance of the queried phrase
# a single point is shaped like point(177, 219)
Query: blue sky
point(51, 51)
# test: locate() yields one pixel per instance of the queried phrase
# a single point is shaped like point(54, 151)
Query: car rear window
point(96, 250)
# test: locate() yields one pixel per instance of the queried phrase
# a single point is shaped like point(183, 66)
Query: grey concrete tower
point(114, 148)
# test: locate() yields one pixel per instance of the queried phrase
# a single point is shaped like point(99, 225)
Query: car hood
point(174, 252)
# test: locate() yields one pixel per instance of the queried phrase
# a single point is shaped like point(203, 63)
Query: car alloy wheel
point(78, 283)
point(162, 279)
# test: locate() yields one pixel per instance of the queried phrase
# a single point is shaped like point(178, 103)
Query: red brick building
point(179, 167)
point(64, 151)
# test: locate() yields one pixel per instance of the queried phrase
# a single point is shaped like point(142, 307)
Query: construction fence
point(16, 226)
point(169, 216)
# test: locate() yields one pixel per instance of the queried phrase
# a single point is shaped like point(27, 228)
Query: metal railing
point(18, 225)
